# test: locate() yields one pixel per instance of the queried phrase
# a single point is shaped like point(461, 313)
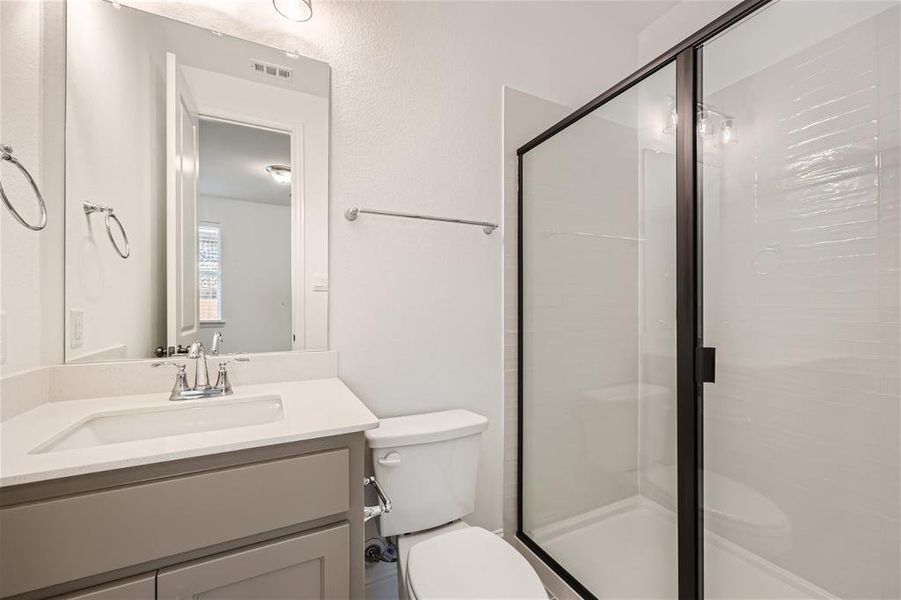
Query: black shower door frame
point(694, 363)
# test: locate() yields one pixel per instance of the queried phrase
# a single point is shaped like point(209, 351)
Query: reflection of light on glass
point(704, 128)
point(710, 121)
point(727, 132)
point(672, 119)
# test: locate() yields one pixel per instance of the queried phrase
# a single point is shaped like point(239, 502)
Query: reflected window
point(210, 271)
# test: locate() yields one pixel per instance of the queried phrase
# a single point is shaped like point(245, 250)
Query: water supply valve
point(384, 505)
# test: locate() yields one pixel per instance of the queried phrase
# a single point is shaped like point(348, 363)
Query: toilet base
point(405, 542)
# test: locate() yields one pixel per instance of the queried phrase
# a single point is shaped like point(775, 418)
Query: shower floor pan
point(627, 550)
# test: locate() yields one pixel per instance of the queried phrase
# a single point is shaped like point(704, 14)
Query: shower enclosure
point(709, 269)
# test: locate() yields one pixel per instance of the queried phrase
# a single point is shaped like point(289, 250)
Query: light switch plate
point(76, 328)
point(320, 282)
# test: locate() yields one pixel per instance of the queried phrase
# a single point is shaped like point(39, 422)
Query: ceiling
point(233, 161)
point(638, 14)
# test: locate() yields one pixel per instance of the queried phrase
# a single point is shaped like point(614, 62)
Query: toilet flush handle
point(390, 460)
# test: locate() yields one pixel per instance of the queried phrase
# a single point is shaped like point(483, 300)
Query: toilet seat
point(470, 563)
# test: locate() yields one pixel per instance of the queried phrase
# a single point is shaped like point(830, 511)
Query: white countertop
point(314, 408)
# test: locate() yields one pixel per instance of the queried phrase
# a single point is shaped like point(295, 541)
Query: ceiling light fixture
point(294, 10)
point(280, 173)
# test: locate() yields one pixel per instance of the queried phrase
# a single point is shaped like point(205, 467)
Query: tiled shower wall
point(802, 303)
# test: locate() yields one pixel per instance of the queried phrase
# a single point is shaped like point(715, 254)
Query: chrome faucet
point(201, 374)
point(217, 341)
point(202, 387)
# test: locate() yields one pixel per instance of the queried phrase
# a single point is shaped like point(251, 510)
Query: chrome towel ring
point(6, 153)
point(90, 208)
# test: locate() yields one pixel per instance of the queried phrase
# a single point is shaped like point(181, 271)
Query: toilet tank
point(427, 464)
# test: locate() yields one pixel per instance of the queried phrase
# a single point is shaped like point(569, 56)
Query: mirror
point(196, 190)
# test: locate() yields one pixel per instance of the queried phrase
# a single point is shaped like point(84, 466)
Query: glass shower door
point(799, 163)
point(598, 333)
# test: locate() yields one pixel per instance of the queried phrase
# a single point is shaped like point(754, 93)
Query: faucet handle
point(181, 377)
point(169, 363)
point(222, 381)
point(223, 363)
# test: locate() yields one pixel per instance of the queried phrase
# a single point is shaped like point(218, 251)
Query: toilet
point(427, 465)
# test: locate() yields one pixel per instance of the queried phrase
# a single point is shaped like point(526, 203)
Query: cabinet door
point(306, 566)
point(136, 588)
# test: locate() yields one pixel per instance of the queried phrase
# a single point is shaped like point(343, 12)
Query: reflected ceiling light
point(727, 132)
point(280, 173)
point(704, 128)
point(672, 119)
point(294, 10)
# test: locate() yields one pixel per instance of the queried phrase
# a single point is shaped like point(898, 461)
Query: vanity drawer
point(52, 542)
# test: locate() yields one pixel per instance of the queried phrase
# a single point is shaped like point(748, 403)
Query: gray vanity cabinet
point(282, 521)
point(312, 565)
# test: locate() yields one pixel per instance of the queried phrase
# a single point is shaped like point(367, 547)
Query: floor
point(629, 552)
point(381, 581)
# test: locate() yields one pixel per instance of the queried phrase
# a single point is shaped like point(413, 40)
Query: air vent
point(270, 70)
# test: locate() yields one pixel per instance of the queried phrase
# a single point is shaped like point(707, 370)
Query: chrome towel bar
point(6, 153)
point(351, 214)
point(90, 208)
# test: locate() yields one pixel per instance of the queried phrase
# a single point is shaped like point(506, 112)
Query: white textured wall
point(32, 46)
point(256, 274)
point(20, 293)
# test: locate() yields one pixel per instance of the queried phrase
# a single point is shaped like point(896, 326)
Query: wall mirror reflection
point(196, 190)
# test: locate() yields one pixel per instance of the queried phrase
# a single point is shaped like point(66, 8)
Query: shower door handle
point(706, 361)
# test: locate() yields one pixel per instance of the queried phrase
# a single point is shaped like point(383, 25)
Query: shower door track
point(691, 358)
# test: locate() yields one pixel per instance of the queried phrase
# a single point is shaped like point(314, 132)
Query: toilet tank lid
point(425, 428)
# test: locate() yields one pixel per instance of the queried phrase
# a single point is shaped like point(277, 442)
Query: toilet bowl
point(462, 562)
point(427, 464)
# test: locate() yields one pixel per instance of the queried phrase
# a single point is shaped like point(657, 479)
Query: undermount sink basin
point(164, 421)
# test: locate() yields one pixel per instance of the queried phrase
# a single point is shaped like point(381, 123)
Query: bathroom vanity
point(266, 509)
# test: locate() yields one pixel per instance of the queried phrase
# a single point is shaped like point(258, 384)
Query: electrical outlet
point(76, 328)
